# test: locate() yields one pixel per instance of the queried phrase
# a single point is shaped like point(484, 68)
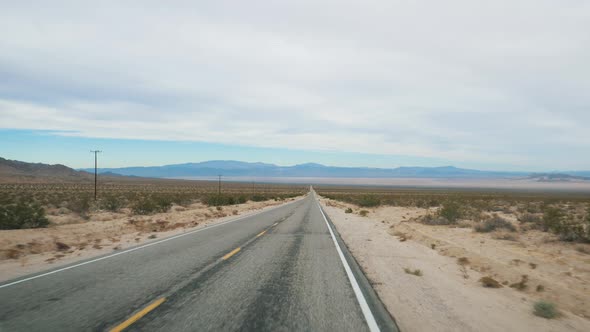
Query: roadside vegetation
point(545, 309)
point(26, 205)
point(566, 215)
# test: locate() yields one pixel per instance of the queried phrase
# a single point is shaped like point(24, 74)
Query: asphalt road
point(283, 269)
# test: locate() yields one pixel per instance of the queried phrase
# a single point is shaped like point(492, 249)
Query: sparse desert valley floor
point(430, 276)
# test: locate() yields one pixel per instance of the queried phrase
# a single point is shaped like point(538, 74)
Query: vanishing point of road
point(285, 269)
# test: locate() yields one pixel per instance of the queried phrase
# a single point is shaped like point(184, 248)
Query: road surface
point(283, 269)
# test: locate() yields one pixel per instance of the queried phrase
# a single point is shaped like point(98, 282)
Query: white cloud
point(503, 82)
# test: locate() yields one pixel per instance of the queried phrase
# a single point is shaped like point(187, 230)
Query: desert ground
point(73, 227)
point(430, 276)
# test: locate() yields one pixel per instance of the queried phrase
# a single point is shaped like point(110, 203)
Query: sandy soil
point(448, 296)
point(71, 238)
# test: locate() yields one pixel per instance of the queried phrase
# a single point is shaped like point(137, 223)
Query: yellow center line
point(138, 315)
point(231, 253)
point(261, 233)
point(276, 223)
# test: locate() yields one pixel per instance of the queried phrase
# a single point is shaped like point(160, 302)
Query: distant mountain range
point(13, 171)
point(231, 168)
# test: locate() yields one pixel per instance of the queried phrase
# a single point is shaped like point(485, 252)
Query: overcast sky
point(497, 84)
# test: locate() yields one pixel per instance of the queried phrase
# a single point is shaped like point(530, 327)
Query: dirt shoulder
point(448, 296)
point(70, 239)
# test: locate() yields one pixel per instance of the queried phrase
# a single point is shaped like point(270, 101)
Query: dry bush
point(490, 282)
point(522, 284)
point(348, 210)
point(60, 246)
point(416, 272)
point(463, 261)
point(363, 213)
point(504, 235)
point(434, 220)
point(494, 223)
point(530, 218)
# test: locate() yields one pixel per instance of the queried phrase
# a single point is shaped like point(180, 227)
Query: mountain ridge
point(240, 168)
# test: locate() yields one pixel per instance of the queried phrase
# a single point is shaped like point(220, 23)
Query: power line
point(96, 152)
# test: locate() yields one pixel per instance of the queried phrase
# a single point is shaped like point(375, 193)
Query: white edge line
point(371, 322)
point(140, 247)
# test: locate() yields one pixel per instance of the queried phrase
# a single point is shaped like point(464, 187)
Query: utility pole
point(96, 152)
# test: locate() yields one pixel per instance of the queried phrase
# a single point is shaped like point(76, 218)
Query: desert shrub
point(348, 210)
point(463, 261)
point(450, 211)
point(112, 203)
point(416, 272)
point(567, 227)
point(369, 201)
point(80, 204)
point(363, 213)
point(489, 282)
point(22, 215)
point(430, 219)
point(241, 199)
point(152, 204)
point(494, 223)
point(530, 218)
point(218, 200)
point(551, 218)
point(522, 284)
point(257, 198)
point(545, 309)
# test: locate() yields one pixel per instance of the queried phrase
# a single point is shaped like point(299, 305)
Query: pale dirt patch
point(71, 238)
point(448, 296)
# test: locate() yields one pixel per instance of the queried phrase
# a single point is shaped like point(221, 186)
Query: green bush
point(348, 210)
point(112, 203)
point(258, 198)
point(152, 204)
point(551, 218)
point(22, 215)
point(369, 201)
point(545, 309)
point(450, 211)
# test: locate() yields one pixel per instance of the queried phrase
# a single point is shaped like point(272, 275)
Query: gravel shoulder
point(447, 296)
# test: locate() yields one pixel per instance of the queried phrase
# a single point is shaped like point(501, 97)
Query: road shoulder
point(441, 298)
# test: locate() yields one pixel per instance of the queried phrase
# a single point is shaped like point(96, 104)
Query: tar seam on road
point(371, 322)
point(138, 315)
point(137, 248)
